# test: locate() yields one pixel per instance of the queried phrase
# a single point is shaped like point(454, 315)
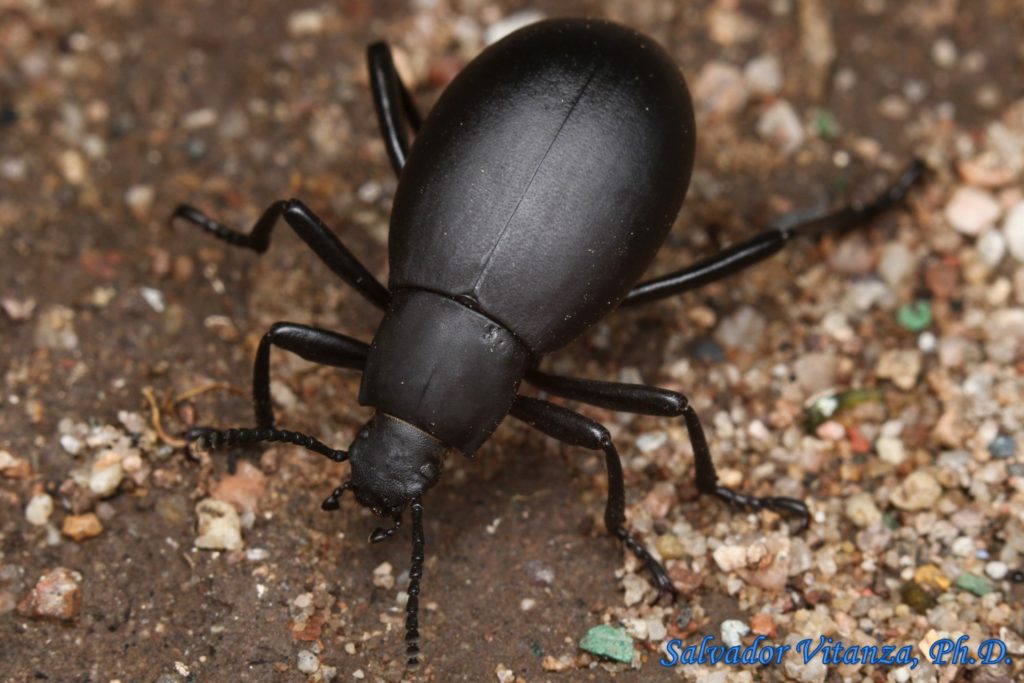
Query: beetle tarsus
point(792, 506)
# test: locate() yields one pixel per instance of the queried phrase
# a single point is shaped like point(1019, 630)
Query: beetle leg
point(637, 398)
point(306, 225)
point(412, 606)
point(311, 343)
point(219, 438)
point(576, 430)
point(392, 100)
point(760, 247)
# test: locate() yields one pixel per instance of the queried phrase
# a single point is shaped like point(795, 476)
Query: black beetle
point(537, 192)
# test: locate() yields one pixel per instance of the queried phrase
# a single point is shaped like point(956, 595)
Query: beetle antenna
point(333, 501)
point(380, 534)
point(412, 607)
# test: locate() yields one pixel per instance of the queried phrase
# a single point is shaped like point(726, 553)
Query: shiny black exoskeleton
point(535, 195)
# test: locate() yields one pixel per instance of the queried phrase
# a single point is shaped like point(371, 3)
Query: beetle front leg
point(645, 400)
point(576, 430)
point(392, 100)
point(312, 344)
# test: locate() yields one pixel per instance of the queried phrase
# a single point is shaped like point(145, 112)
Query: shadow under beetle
point(536, 194)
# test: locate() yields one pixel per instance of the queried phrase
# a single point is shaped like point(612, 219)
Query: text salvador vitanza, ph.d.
point(943, 652)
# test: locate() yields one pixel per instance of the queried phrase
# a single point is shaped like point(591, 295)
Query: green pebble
point(609, 641)
point(826, 125)
point(972, 583)
point(915, 316)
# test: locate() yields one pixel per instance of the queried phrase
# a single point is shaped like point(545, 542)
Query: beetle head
point(393, 462)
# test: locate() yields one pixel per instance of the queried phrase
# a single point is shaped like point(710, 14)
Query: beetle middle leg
point(576, 430)
point(760, 247)
point(306, 225)
point(638, 398)
point(311, 343)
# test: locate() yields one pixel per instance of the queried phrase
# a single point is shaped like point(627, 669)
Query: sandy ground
point(113, 111)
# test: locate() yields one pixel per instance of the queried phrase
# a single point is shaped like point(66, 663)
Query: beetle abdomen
point(546, 178)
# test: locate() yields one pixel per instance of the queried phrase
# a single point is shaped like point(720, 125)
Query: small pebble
point(13, 467)
point(81, 527)
point(971, 210)
point(730, 557)
point(39, 509)
point(764, 75)
point(915, 316)
point(57, 595)
point(504, 674)
point(670, 547)
point(895, 264)
point(972, 583)
point(527, 604)
point(106, 473)
point(992, 247)
point(891, 450)
point(780, 125)
point(918, 491)
point(902, 366)
point(719, 90)
point(743, 329)
point(219, 527)
point(1002, 447)
point(608, 641)
point(944, 53)
point(1013, 231)
point(383, 576)
point(139, 199)
point(307, 662)
point(997, 570)
point(862, 511)
point(733, 631)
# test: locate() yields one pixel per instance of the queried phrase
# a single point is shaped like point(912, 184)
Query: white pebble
point(732, 631)
point(651, 441)
point(997, 570)
point(527, 604)
point(862, 511)
point(153, 297)
point(891, 450)
point(944, 53)
point(719, 89)
point(992, 247)
point(39, 509)
point(219, 525)
point(780, 125)
point(106, 474)
point(971, 210)
point(139, 199)
point(730, 557)
point(764, 75)
point(383, 576)
point(71, 444)
point(919, 491)
point(1013, 231)
point(895, 264)
point(307, 662)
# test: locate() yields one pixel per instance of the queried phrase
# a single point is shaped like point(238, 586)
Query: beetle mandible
point(535, 195)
